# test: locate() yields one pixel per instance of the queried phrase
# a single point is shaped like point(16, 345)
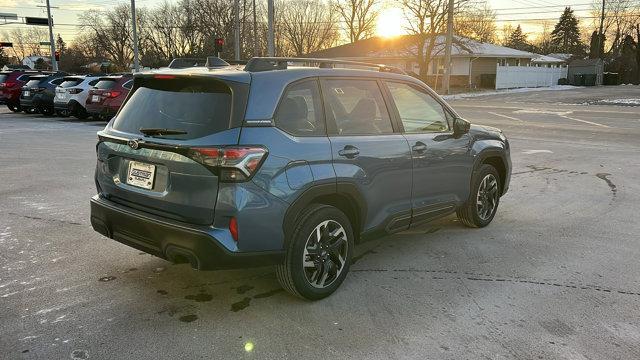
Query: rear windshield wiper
point(160, 131)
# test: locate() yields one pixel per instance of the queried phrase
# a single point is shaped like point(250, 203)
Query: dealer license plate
point(141, 174)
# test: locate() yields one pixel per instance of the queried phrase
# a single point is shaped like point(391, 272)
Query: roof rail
point(258, 64)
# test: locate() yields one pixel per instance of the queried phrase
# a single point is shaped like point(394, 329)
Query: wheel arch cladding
point(344, 197)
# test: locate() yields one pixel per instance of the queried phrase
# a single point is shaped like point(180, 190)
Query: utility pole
point(447, 50)
point(271, 48)
point(54, 63)
point(136, 63)
point(236, 30)
point(255, 30)
point(600, 34)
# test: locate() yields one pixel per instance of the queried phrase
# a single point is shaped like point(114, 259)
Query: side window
point(299, 112)
point(357, 107)
point(93, 82)
point(128, 84)
point(57, 81)
point(418, 110)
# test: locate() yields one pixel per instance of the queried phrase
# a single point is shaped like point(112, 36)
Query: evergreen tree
point(628, 66)
point(565, 37)
point(518, 40)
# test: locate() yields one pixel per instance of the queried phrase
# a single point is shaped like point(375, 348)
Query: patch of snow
point(529, 152)
point(626, 102)
point(510, 91)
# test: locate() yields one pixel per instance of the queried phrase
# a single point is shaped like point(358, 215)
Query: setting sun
point(390, 23)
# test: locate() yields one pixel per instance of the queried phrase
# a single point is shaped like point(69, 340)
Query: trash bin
point(611, 78)
point(578, 80)
point(590, 79)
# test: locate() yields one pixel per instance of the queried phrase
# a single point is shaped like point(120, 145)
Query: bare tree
point(477, 23)
point(427, 19)
point(308, 25)
point(359, 16)
point(26, 42)
point(620, 18)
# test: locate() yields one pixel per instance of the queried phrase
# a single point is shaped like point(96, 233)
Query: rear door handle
point(419, 147)
point(349, 151)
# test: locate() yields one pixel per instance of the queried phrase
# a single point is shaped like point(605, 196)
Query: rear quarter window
point(32, 82)
point(198, 107)
point(70, 83)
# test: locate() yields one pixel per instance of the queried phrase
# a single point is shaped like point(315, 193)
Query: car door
point(442, 163)
point(369, 154)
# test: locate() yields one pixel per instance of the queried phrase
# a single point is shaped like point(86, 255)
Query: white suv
point(71, 95)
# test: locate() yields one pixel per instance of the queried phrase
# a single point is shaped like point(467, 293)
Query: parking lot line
point(506, 117)
point(585, 121)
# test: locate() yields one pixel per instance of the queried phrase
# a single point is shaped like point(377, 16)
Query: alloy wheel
point(487, 197)
point(325, 254)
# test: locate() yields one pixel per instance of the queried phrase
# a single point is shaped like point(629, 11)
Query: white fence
point(509, 77)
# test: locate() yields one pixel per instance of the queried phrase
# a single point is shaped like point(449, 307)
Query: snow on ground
point(509, 91)
point(623, 102)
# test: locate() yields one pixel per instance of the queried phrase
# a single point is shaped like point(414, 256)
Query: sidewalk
point(508, 91)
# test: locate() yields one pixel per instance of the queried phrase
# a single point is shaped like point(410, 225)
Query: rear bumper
point(60, 106)
point(170, 240)
point(27, 103)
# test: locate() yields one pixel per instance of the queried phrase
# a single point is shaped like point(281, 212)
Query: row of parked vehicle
point(48, 93)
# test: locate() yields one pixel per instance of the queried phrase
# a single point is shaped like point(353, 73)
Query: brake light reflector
point(75, 91)
point(112, 94)
point(233, 228)
point(8, 84)
point(234, 163)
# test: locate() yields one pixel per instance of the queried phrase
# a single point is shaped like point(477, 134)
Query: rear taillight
point(234, 164)
point(8, 84)
point(74, 91)
point(112, 94)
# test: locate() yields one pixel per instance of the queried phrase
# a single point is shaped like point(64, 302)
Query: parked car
point(71, 95)
point(104, 100)
point(38, 93)
point(288, 166)
point(11, 83)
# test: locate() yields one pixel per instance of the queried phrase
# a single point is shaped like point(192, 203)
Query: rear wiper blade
point(160, 131)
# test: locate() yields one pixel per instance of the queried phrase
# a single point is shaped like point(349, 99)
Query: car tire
point(81, 113)
point(62, 113)
point(46, 111)
point(30, 110)
point(14, 107)
point(481, 207)
point(312, 268)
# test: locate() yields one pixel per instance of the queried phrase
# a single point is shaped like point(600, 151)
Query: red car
point(11, 83)
point(107, 95)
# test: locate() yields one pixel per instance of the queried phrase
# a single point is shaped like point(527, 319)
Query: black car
point(38, 93)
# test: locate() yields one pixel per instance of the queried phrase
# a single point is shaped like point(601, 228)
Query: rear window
point(33, 82)
point(198, 107)
point(70, 82)
point(105, 84)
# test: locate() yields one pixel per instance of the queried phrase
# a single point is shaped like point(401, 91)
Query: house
point(31, 61)
point(474, 64)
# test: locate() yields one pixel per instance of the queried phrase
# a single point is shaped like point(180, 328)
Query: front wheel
point(318, 254)
point(46, 111)
point(483, 201)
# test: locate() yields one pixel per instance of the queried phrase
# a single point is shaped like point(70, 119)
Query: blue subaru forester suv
point(288, 165)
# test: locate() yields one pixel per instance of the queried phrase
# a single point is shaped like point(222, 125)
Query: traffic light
point(219, 43)
point(56, 55)
point(5, 44)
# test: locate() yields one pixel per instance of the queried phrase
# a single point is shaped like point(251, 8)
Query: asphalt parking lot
point(555, 276)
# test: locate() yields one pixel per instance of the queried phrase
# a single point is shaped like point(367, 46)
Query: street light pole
point(236, 30)
point(271, 49)
point(600, 34)
point(54, 63)
point(136, 63)
point(447, 52)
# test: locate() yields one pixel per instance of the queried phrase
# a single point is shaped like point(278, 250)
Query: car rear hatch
point(67, 89)
point(32, 86)
point(169, 172)
point(103, 90)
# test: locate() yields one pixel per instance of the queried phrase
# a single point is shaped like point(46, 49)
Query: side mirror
point(460, 126)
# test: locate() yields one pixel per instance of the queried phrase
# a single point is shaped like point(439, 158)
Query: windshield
point(105, 84)
point(197, 107)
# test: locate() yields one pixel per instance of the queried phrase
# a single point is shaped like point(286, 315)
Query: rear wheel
point(80, 112)
point(14, 107)
point(30, 110)
point(62, 113)
point(318, 254)
point(46, 111)
point(483, 201)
